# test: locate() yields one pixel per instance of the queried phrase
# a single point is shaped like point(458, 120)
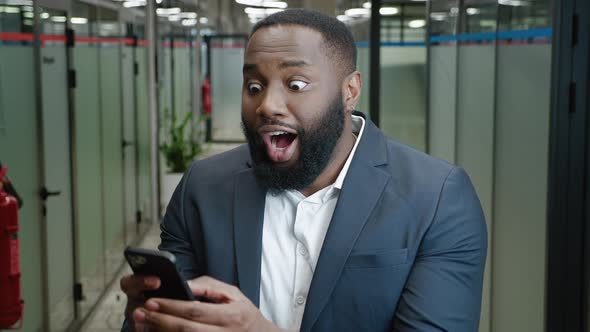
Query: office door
point(129, 143)
point(55, 191)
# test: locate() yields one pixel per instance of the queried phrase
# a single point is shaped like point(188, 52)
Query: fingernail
point(139, 315)
point(151, 282)
point(152, 305)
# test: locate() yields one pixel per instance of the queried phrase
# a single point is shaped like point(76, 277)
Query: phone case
point(160, 264)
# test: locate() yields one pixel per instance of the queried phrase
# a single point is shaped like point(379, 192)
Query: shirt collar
point(358, 126)
point(324, 194)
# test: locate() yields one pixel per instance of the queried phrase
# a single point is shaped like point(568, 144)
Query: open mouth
point(280, 145)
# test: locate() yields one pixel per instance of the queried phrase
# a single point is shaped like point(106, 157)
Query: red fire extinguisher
point(11, 303)
point(206, 100)
point(206, 96)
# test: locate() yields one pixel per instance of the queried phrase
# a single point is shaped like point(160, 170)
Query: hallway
point(108, 315)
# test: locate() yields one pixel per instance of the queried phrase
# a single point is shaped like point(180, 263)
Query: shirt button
point(300, 300)
point(302, 251)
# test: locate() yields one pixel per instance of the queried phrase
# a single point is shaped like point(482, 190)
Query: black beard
point(316, 146)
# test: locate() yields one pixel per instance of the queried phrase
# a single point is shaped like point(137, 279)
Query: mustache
point(273, 122)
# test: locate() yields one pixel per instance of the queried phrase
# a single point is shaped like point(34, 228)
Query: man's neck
point(341, 152)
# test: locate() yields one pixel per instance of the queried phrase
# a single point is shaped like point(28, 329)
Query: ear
point(351, 90)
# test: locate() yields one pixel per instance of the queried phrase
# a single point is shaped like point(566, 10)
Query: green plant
point(179, 147)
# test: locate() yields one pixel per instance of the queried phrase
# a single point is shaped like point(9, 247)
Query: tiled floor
point(109, 313)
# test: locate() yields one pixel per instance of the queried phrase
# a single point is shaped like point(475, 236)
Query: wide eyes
point(294, 85)
point(297, 85)
point(254, 88)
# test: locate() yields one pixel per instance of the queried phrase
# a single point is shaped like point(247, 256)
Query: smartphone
point(162, 265)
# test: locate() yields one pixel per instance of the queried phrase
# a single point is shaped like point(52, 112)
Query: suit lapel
point(248, 216)
point(361, 191)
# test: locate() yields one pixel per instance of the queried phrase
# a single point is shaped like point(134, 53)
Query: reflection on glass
point(524, 15)
point(227, 57)
point(444, 17)
point(403, 76)
point(479, 16)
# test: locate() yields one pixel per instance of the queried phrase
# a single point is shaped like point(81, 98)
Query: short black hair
point(337, 37)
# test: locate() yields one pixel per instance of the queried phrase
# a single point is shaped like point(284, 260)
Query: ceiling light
point(203, 20)
point(263, 3)
point(275, 4)
point(59, 19)
point(9, 10)
point(357, 12)
point(28, 14)
point(108, 26)
point(28, 22)
point(343, 18)
point(487, 23)
point(514, 3)
point(188, 15)
point(454, 11)
point(473, 11)
point(168, 11)
point(415, 24)
point(18, 2)
point(189, 22)
point(44, 16)
point(367, 5)
point(261, 11)
point(27, 8)
point(134, 3)
point(388, 11)
point(159, 1)
point(174, 18)
point(438, 16)
point(78, 20)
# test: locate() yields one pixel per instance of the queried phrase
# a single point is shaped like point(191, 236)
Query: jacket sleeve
point(176, 236)
point(179, 228)
point(443, 290)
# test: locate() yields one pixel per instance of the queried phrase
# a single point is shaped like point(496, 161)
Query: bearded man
point(320, 222)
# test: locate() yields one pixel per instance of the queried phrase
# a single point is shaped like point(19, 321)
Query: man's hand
point(231, 311)
point(134, 286)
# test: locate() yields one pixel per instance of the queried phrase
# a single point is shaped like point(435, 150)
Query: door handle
point(125, 143)
point(44, 193)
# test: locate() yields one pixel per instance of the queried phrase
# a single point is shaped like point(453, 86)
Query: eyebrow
point(249, 67)
point(295, 63)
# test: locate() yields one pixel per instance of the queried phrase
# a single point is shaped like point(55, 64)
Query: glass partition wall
point(73, 115)
point(402, 70)
point(19, 144)
point(488, 111)
point(468, 81)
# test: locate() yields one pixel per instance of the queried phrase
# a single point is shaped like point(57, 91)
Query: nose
point(273, 104)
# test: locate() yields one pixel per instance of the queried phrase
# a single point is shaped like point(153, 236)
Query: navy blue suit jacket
point(405, 250)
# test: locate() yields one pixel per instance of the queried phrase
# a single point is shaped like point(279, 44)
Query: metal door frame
point(569, 192)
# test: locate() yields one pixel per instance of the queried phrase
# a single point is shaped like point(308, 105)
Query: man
point(320, 223)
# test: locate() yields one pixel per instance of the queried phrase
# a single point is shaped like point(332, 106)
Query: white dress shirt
point(292, 237)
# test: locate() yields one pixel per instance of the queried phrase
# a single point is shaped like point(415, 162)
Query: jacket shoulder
point(415, 164)
point(219, 167)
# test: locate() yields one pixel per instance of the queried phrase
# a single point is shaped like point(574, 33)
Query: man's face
point(292, 107)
